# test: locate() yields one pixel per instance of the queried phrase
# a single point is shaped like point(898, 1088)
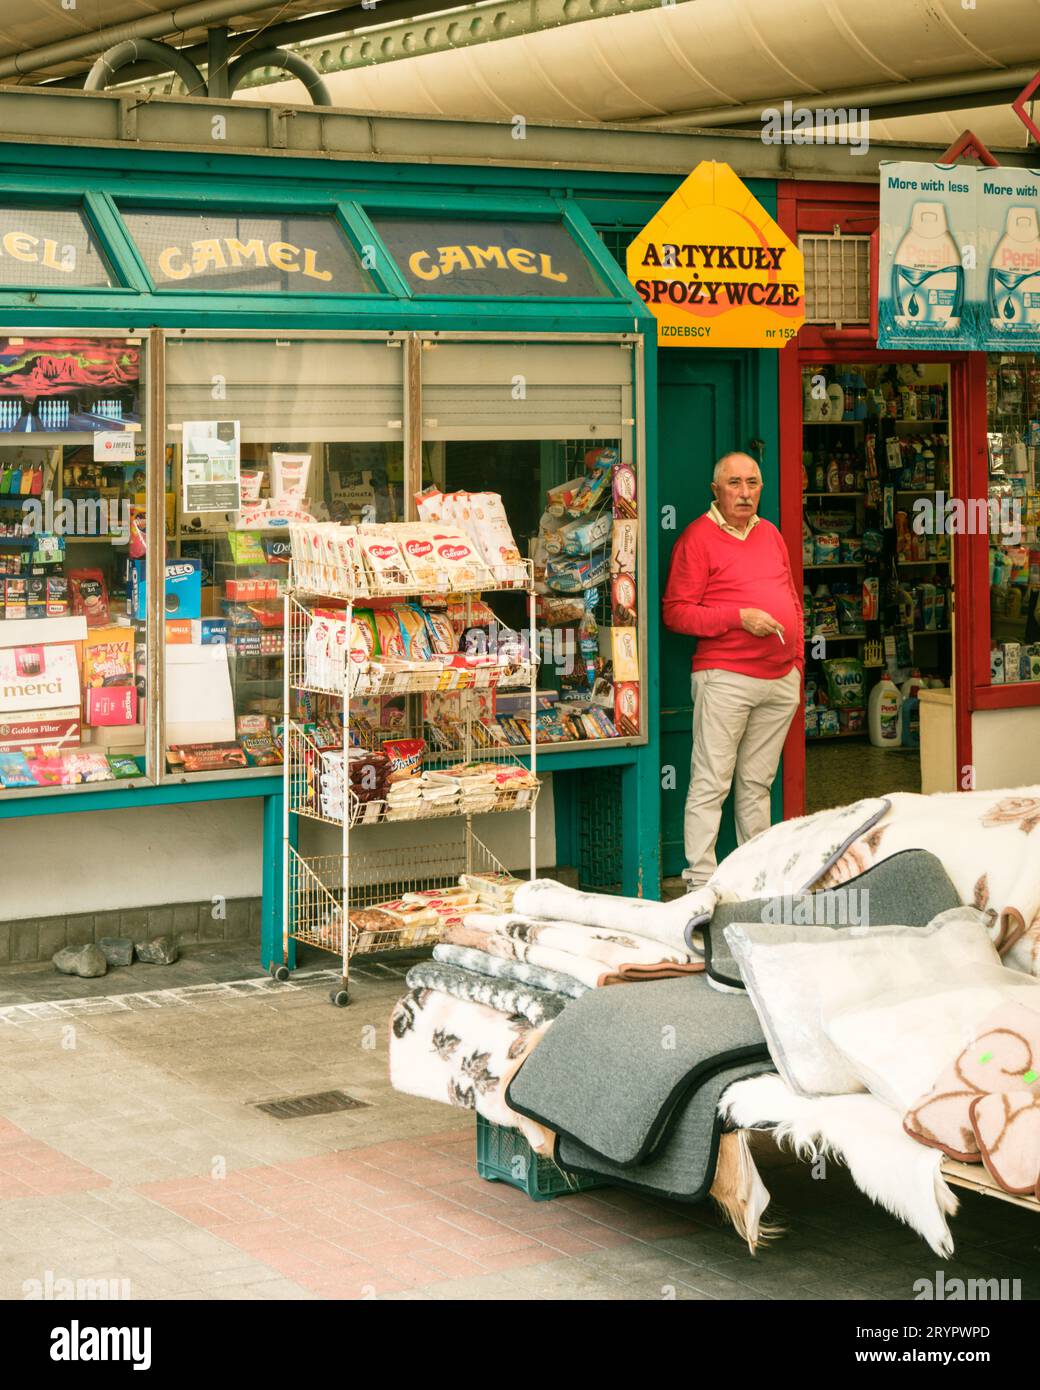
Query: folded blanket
point(613, 948)
point(682, 1166)
point(611, 1071)
point(793, 855)
point(663, 922)
point(988, 842)
point(591, 972)
point(538, 1006)
point(865, 1134)
point(907, 890)
point(501, 968)
point(456, 1051)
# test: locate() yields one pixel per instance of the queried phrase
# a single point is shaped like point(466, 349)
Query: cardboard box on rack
point(127, 738)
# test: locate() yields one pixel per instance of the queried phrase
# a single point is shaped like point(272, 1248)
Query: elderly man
point(731, 587)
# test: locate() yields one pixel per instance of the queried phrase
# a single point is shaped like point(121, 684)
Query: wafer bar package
point(625, 653)
point(416, 541)
point(382, 556)
point(626, 708)
point(625, 493)
point(458, 561)
point(623, 548)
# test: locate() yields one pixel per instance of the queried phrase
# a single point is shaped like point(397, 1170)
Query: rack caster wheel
point(278, 972)
point(339, 997)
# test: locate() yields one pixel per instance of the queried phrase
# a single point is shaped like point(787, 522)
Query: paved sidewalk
point(131, 1150)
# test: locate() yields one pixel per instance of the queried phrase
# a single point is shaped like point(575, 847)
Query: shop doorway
point(706, 406)
point(878, 581)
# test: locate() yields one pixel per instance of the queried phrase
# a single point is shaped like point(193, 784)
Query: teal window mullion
point(116, 242)
point(359, 231)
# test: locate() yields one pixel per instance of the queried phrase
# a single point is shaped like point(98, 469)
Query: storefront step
point(37, 939)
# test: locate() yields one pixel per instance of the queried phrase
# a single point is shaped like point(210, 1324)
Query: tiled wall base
point(34, 939)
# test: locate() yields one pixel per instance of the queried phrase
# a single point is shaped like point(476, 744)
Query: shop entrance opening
point(878, 520)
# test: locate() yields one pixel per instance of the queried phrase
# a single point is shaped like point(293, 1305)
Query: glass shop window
point(261, 433)
point(72, 526)
point(1013, 513)
point(548, 429)
point(251, 253)
point(524, 260)
point(50, 248)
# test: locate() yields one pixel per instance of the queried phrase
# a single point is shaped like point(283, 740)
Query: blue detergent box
point(183, 589)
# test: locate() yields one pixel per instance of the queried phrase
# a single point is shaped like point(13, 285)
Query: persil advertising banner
point(959, 262)
point(926, 256)
point(1009, 259)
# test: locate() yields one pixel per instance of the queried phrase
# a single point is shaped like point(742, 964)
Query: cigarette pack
point(47, 726)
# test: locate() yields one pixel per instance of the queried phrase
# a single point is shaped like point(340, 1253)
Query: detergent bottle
point(1014, 273)
point(883, 714)
point(927, 275)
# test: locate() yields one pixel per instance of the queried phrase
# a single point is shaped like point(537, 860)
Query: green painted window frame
point(94, 213)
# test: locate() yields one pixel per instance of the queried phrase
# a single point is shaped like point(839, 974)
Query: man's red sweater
point(713, 576)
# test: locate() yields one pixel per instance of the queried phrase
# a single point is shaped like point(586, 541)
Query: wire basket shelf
point(376, 877)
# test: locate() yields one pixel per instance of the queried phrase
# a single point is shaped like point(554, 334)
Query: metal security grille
point(616, 240)
point(599, 830)
point(837, 278)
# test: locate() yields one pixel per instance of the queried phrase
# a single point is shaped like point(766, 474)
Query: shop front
point(187, 372)
point(909, 502)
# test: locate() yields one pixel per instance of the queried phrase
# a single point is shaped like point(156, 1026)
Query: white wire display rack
point(356, 901)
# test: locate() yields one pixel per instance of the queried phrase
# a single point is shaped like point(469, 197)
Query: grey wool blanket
point(682, 1166)
point(538, 1006)
point(907, 890)
point(502, 968)
point(612, 1070)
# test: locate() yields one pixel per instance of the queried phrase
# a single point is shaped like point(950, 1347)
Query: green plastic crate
point(504, 1155)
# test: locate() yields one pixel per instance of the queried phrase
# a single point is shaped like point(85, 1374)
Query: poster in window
point(212, 466)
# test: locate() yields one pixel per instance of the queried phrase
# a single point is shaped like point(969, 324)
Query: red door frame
point(815, 207)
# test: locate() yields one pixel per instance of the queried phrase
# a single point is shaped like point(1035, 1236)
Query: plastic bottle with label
point(1014, 273)
point(927, 275)
point(883, 714)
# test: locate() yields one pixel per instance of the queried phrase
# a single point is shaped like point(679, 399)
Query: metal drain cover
point(300, 1107)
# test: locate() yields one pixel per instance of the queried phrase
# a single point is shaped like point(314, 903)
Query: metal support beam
point(434, 32)
point(217, 57)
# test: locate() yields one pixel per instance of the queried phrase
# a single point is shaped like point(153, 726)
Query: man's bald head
point(737, 485)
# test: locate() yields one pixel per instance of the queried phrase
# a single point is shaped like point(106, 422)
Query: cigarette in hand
point(781, 636)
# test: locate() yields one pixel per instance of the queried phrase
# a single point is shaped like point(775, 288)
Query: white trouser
point(739, 727)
